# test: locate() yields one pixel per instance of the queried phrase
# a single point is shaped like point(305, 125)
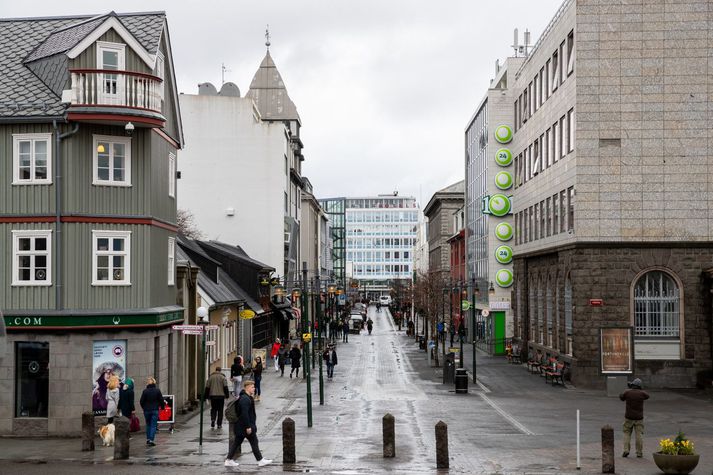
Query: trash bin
point(421, 343)
point(461, 381)
point(449, 368)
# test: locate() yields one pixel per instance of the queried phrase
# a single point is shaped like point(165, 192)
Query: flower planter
point(676, 464)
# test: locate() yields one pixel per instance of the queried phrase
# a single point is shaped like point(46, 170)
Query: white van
point(385, 300)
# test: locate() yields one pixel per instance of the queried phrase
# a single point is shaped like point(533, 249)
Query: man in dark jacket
point(216, 389)
point(330, 357)
point(634, 417)
point(246, 427)
point(151, 400)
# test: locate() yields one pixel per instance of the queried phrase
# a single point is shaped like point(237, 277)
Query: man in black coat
point(246, 427)
point(330, 357)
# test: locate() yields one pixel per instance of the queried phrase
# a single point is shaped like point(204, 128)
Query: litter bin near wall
point(449, 369)
point(461, 381)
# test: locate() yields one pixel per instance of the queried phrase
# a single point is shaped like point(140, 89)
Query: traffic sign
point(192, 332)
point(485, 312)
point(187, 327)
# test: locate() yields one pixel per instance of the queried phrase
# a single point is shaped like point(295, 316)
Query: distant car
point(360, 307)
point(385, 300)
point(356, 323)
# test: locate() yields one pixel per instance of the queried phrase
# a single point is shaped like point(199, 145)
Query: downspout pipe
point(58, 279)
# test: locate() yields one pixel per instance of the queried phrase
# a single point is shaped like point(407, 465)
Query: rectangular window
point(536, 222)
point(535, 93)
point(111, 258)
point(531, 159)
point(570, 208)
point(516, 170)
point(555, 142)
point(555, 71)
point(171, 175)
point(548, 225)
point(32, 257)
point(542, 219)
point(31, 378)
point(110, 56)
point(537, 162)
point(531, 100)
point(548, 75)
point(570, 130)
point(547, 146)
point(526, 226)
point(32, 159)
point(526, 159)
point(570, 53)
point(555, 215)
point(171, 261)
point(563, 204)
point(515, 116)
point(562, 137)
point(525, 105)
point(563, 58)
point(523, 225)
point(112, 161)
point(543, 153)
point(541, 91)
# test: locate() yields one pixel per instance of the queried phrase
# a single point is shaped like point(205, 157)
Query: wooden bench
point(556, 374)
point(516, 357)
point(534, 364)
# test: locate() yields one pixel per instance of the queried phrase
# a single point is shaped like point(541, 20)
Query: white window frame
point(171, 261)
point(172, 175)
point(34, 233)
point(16, 139)
point(126, 235)
point(112, 139)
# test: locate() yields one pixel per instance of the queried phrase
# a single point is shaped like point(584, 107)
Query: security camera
point(129, 128)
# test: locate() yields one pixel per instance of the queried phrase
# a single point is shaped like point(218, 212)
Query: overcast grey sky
point(384, 87)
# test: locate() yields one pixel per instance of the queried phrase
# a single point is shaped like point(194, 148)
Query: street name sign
point(187, 327)
point(209, 343)
point(192, 332)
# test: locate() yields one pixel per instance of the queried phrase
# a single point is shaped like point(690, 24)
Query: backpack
point(231, 410)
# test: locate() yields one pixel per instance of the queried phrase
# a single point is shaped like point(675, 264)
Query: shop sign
point(247, 314)
point(108, 359)
point(616, 349)
point(499, 305)
point(69, 321)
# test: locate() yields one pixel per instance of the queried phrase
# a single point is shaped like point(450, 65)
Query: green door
point(498, 322)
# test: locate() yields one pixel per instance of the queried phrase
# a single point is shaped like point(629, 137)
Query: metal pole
point(305, 327)
point(202, 392)
point(319, 335)
point(579, 466)
point(473, 331)
point(460, 325)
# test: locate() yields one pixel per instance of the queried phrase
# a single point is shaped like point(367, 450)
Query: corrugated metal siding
point(161, 293)
point(83, 197)
point(23, 199)
point(88, 58)
point(169, 105)
point(162, 205)
point(23, 298)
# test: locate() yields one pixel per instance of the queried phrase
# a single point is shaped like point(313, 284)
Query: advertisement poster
point(109, 358)
point(262, 353)
point(167, 415)
point(616, 350)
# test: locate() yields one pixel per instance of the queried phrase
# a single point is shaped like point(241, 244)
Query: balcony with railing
point(112, 96)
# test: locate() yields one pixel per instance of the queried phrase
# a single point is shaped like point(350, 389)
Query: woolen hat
point(636, 383)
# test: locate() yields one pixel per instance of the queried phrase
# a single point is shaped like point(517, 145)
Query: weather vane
point(267, 37)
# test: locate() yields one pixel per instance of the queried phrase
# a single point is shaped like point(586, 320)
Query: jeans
point(151, 424)
point(236, 385)
point(638, 427)
point(237, 442)
point(258, 379)
point(330, 370)
point(345, 338)
point(216, 409)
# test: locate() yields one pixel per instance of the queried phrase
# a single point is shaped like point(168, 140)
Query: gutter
point(59, 286)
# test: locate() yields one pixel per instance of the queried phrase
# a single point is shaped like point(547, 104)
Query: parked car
point(360, 307)
point(356, 323)
point(385, 300)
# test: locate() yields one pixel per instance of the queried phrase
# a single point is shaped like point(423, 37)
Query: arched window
point(540, 316)
point(656, 305)
point(548, 312)
point(568, 313)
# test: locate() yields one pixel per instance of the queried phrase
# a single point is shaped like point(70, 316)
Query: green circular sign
point(499, 205)
point(504, 278)
point(503, 134)
point(503, 157)
point(503, 231)
point(503, 254)
point(503, 180)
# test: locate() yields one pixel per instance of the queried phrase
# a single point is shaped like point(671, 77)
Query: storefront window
point(31, 379)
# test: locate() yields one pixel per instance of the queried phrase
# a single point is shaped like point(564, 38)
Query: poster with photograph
point(109, 358)
point(262, 353)
point(167, 415)
point(617, 355)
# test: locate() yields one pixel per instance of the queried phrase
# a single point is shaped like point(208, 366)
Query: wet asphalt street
point(512, 422)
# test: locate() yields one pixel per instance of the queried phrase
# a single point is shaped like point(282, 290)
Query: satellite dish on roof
point(207, 89)
point(229, 89)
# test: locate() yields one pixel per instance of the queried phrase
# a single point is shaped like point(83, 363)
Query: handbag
point(134, 425)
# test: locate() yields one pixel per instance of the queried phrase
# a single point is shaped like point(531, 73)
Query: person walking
point(246, 427)
point(345, 332)
point(369, 325)
point(330, 357)
point(273, 354)
point(282, 355)
point(440, 327)
point(126, 400)
point(257, 376)
point(151, 401)
point(295, 356)
point(216, 389)
point(236, 374)
point(634, 417)
point(112, 399)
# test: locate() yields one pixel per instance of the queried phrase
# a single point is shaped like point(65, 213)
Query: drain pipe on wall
point(59, 286)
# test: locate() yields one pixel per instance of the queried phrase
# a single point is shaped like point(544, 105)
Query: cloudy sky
point(385, 88)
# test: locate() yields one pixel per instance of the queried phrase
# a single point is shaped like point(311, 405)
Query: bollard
point(288, 441)
point(442, 445)
point(389, 431)
point(88, 431)
point(121, 438)
point(607, 449)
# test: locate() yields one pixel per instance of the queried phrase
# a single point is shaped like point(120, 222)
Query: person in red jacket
point(273, 353)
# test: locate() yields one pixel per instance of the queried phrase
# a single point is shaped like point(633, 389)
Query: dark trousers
point(216, 409)
point(345, 337)
point(330, 370)
point(240, 435)
point(258, 379)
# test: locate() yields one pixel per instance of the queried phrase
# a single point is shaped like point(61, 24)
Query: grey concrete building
point(612, 147)
point(89, 133)
point(439, 228)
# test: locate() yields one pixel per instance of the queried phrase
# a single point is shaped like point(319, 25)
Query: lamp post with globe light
point(202, 314)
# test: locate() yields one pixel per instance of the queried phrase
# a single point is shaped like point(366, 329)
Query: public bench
point(555, 374)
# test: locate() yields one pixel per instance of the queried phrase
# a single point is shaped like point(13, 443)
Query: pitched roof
point(33, 77)
point(458, 187)
point(454, 191)
point(268, 91)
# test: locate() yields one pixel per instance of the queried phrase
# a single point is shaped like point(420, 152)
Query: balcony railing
point(102, 87)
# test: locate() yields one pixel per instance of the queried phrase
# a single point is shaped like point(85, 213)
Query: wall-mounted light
point(101, 148)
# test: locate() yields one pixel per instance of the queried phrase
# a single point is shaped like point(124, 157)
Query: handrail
point(115, 71)
point(115, 88)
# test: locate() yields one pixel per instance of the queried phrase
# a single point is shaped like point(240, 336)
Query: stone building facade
point(612, 144)
point(439, 227)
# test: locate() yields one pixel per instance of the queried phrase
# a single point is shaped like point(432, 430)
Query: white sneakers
point(231, 463)
point(264, 462)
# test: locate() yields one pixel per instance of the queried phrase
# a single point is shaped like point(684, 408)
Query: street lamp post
point(461, 293)
point(476, 292)
point(202, 313)
point(319, 335)
point(305, 328)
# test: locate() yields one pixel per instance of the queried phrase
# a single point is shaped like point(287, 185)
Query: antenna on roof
point(516, 41)
point(267, 37)
point(223, 70)
point(527, 41)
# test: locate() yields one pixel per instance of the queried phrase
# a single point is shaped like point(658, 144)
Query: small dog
point(107, 434)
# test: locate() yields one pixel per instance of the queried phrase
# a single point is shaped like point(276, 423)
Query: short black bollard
point(288, 441)
point(442, 445)
point(607, 449)
point(88, 431)
point(389, 430)
point(121, 438)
